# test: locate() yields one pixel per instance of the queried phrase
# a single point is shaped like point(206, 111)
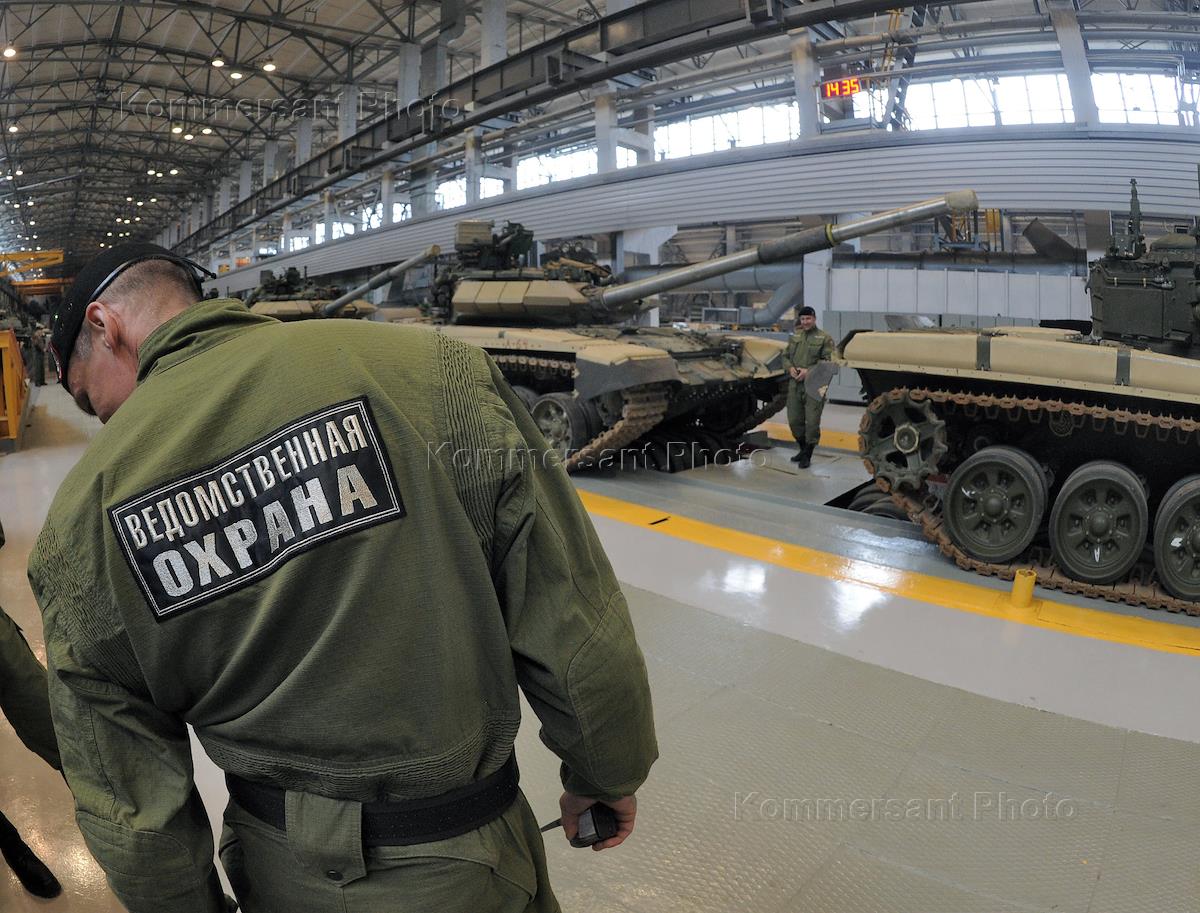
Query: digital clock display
point(841, 88)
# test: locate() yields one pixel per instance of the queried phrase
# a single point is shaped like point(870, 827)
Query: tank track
point(1140, 589)
point(761, 414)
point(643, 407)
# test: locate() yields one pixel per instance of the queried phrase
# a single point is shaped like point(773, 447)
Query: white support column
point(408, 80)
point(328, 217)
point(610, 137)
point(347, 112)
point(433, 66)
point(806, 74)
point(304, 134)
point(646, 242)
point(1075, 62)
point(474, 166)
point(285, 243)
point(245, 179)
point(270, 161)
point(225, 196)
point(387, 195)
point(493, 24)
point(606, 134)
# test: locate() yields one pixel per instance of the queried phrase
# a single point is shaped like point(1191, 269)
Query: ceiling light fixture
point(158, 174)
point(218, 62)
point(10, 52)
point(150, 171)
point(129, 199)
point(235, 75)
point(174, 171)
point(206, 130)
point(154, 199)
point(269, 66)
point(189, 136)
point(18, 172)
point(13, 128)
point(141, 202)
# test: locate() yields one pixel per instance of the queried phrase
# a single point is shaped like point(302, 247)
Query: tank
point(565, 336)
point(294, 297)
point(1069, 452)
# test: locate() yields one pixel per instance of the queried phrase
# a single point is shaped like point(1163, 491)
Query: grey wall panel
point(963, 291)
point(1054, 168)
point(932, 291)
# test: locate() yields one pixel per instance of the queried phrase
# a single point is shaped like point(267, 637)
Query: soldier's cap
point(806, 311)
point(99, 273)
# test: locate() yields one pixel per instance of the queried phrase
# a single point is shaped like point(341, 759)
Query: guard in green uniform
point(337, 549)
point(25, 705)
point(808, 345)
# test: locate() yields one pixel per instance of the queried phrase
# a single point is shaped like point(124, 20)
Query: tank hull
point(953, 424)
point(678, 395)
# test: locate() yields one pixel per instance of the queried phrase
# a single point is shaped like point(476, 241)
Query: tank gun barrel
point(394, 272)
point(789, 247)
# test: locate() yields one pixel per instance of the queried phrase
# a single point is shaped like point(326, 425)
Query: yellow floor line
point(967, 597)
point(833, 440)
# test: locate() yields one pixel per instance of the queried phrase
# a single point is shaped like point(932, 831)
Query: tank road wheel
point(994, 503)
point(904, 440)
point(1099, 522)
point(563, 421)
point(1177, 539)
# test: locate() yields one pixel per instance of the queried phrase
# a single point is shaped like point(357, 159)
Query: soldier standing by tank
point(25, 705)
point(342, 573)
point(808, 345)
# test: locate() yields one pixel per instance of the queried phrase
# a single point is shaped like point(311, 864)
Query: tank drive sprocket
point(902, 439)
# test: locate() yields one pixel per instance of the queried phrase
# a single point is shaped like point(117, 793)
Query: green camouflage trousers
point(804, 414)
point(320, 864)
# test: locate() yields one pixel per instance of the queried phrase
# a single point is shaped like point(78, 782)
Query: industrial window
point(750, 126)
point(1042, 98)
point(451, 194)
point(1145, 98)
point(535, 170)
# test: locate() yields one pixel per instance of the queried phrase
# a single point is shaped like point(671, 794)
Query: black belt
point(405, 822)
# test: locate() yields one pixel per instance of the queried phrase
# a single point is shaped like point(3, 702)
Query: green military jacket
point(806, 348)
point(336, 549)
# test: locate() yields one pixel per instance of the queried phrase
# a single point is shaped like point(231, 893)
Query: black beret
point(806, 311)
point(93, 279)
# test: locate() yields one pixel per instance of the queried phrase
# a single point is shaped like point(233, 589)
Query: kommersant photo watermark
point(214, 109)
point(754, 806)
point(508, 459)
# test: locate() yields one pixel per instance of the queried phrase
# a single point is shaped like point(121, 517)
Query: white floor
point(825, 748)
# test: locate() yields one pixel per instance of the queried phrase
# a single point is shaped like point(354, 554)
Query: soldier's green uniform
point(23, 697)
point(805, 349)
point(336, 549)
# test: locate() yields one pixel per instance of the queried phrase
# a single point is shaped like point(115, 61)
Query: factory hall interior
point(678, 456)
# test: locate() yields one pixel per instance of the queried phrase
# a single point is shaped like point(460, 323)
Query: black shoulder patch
point(197, 538)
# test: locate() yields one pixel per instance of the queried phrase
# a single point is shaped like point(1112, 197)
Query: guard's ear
point(104, 319)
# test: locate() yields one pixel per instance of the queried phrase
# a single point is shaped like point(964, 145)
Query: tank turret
point(291, 296)
point(1148, 295)
point(504, 291)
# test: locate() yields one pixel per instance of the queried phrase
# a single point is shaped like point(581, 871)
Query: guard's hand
point(572, 806)
point(801, 373)
point(794, 373)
